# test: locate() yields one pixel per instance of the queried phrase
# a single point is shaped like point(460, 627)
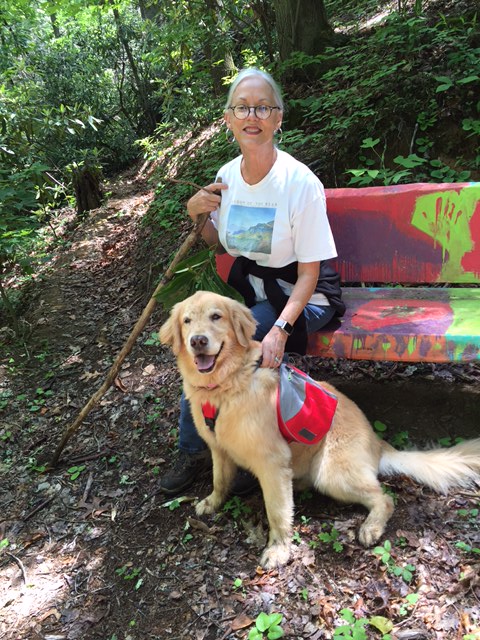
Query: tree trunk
point(56, 30)
point(302, 25)
point(215, 52)
point(86, 182)
point(139, 83)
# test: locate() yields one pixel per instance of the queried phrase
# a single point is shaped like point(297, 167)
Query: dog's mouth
point(205, 363)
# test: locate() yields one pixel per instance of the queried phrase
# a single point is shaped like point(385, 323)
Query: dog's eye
point(186, 321)
point(216, 316)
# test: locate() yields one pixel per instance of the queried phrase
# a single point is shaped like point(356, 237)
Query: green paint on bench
point(446, 218)
point(411, 235)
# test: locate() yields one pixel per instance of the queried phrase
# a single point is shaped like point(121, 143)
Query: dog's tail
point(439, 469)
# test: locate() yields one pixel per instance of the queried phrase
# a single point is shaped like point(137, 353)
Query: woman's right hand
point(205, 200)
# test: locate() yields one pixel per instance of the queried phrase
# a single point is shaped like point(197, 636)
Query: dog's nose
point(198, 341)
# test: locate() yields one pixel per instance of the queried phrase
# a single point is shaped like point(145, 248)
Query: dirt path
point(95, 552)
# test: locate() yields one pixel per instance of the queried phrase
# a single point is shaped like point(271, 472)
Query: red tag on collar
point(210, 413)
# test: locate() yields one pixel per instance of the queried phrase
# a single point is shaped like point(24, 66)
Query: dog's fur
point(211, 337)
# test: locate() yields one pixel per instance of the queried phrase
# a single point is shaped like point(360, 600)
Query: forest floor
point(94, 550)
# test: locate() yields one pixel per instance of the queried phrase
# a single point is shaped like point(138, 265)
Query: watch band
point(284, 326)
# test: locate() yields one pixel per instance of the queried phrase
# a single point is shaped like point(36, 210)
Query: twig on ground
point(41, 506)
point(88, 486)
point(20, 564)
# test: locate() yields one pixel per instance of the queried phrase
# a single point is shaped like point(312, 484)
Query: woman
point(268, 210)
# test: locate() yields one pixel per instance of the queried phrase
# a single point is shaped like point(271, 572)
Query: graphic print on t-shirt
point(250, 229)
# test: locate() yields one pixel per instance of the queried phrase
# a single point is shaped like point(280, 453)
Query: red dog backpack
point(305, 410)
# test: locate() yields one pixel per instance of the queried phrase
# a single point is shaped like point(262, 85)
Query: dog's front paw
point(276, 555)
point(370, 533)
point(209, 505)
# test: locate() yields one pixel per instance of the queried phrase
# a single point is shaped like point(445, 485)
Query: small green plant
point(127, 572)
point(410, 167)
point(33, 466)
point(305, 495)
point(4, 399)
point(75, 471)
point(267, 626)
point(354, 629)
point(237, 584)
point(369, 175)
point(384, 552)
point(152, 340)
point(449, 442)
point(111, 460)
point(399, 440)
point(296, 538)
point(174, 504)
point(379, 428)
point(125, 479)
point(467, 548)
point(410, 601)
point(469, 514)
point(187, 537)
point(40, 399)
point(328, 537)
point(4, 543)
point(236, 507)
point(156, 413)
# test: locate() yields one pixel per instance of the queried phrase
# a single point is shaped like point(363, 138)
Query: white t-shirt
point(279, 220)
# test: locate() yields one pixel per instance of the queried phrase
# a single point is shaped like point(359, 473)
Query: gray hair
point(254, 72)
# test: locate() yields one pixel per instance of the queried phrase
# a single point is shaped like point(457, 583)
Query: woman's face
point(252, 131)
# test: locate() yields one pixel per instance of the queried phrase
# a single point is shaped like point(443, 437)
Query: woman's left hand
point(273, 348)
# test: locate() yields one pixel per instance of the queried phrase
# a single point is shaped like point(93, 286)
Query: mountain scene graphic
point(256, 238)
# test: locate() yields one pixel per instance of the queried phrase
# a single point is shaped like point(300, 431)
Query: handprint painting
point(417, 233)
point(448, 218)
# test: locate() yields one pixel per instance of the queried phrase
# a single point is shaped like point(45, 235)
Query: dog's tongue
point(204, 362)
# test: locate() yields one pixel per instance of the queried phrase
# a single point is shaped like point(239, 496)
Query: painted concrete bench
point(409, 256)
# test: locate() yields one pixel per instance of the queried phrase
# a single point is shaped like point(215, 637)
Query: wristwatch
point(284, 326)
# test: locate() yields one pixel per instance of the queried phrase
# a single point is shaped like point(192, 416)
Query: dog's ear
point(170, 331)
point(243, 323)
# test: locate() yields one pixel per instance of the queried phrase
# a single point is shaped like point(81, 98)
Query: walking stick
point(136, 331)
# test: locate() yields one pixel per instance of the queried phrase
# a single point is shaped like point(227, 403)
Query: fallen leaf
point(119, 384)
point(90, 375)
point(240, 622)
point(50, 612)
point(149, 370)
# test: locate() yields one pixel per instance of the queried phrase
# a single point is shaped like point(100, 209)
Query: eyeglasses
point(261, 111)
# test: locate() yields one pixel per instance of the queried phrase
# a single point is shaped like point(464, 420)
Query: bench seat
point(421, 324)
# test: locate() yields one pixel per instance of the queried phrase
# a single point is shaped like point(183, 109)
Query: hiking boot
point(244, 484)
point(185, 471)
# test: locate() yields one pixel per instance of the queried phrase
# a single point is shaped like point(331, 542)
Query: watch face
point(285, 326)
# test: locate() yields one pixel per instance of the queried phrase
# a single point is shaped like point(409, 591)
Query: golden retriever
point(211, 338)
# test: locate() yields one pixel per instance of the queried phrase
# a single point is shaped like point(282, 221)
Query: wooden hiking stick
point(136, 331)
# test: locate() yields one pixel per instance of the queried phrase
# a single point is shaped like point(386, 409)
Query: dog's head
point(208, 330)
